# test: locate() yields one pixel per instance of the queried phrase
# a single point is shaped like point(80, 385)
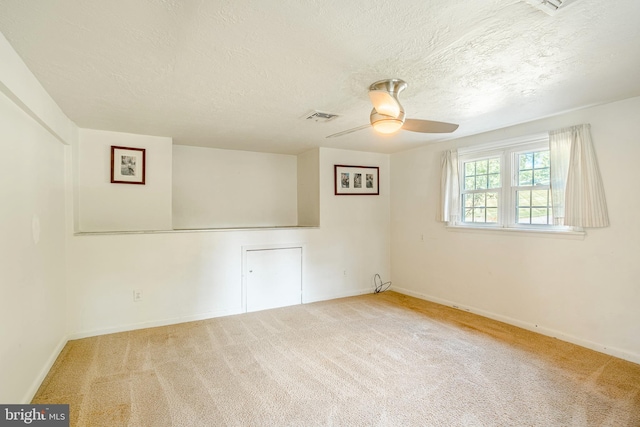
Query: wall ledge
point(196, 230)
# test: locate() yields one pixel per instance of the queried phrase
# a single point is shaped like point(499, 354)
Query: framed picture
point(127, 165)
point(356, 180)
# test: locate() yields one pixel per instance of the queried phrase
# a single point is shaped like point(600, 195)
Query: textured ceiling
point(240, 74)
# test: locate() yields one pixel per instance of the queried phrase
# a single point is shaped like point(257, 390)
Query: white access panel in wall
point(273, 278)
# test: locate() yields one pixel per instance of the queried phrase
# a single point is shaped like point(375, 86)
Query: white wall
point(32, 229)
point(215, 188)
point(19, 84)
point(584, 291)
point(103, 206)
point(191, 275)
point(355, 238)
point(309, 188)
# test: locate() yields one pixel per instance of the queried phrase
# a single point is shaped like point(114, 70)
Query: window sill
point(561, 234)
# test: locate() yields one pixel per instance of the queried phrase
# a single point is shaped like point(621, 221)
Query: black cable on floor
point(379, 286)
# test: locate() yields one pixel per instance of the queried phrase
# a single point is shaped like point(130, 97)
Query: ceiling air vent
point(550, 7)
point(319, 116)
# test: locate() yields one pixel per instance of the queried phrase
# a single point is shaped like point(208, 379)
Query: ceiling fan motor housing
point(388, 114)
point(393, 86)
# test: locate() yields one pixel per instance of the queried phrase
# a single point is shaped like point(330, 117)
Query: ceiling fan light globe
point(385, 103)
point(387, 126)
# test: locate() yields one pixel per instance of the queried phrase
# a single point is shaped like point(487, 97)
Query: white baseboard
point(201, 316)
point(616, 352)
point(612, 351)
point(37, 382)
point(318, 298)
point(155, 323)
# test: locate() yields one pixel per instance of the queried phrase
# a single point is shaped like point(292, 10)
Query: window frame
point(487, 155)
point(515, 185)
point(508, 152)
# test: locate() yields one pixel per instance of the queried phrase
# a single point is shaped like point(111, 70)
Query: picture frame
point(356, 180)
point(128, 165)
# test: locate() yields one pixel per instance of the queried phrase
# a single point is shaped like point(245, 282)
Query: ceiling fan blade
point(428, 126)
point(384, 103)
point(344, 132)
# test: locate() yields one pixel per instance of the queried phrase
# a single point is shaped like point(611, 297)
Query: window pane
point(524, 216)
point(541, 159)
point(492, 214)
point(492, 200)
point(524, 198)
point(494, 180)
point(525, 178)
point(539, 216)
point(481, 182)
point(468, 215)
point(481, 175)
point(541, 177)
point(478, 215)
point(468, 200)
point(540, 197)
point(470, 169)
point(525, 161)
point(482, 167)
point(494, 166)
point(470, 183)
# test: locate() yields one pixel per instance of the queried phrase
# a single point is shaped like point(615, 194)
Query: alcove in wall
point(214, 188)
point(189, 188)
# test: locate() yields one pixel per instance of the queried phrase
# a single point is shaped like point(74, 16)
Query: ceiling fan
point(388, 115)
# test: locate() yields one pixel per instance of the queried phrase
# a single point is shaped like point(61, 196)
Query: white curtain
point(449, 188)
point(559, 153)
point(576, 187)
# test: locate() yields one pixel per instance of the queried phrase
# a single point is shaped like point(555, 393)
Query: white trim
point(338, 295)
point(178, 320)
point(196, 230)
point(545, 232)
point(612, 351)
point(155, 323)
point(506, 143)
point(37, 382)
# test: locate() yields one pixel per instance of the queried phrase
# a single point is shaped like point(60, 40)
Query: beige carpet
point(373, 360)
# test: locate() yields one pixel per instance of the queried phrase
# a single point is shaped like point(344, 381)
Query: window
point(510, 185)
point(532, 194)
point(507, 186)
point(481, 190)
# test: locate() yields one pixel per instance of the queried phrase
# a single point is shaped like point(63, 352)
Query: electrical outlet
point(137, 295)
